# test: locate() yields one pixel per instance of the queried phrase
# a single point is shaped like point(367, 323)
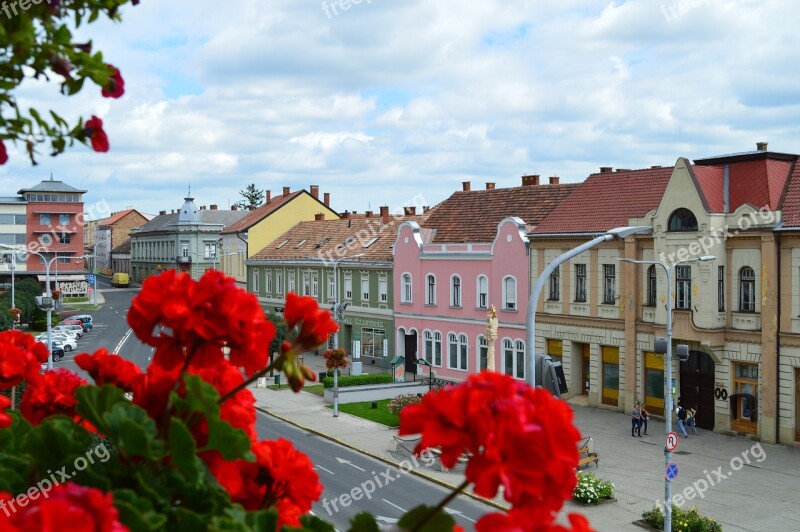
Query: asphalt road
point(392, 492)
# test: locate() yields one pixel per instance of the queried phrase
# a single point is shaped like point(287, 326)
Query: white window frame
point(555, 285)
point(580, 283)
point(482, 291)
point(509, 299)
point(683, 287)
point(406, 288)
point(430, 289)
point(268, 282)
point(348, 286)
point(315, 284)
point(383, 289)
point(457, 351)
point(482, 347)
point(279, 282)
point(515, 365)
point(455, 291)
point(331, 287)
point(747, 290)
point(255, 281)
point(364, 281)
point(290, 281)
point(432, 345)
point(609, 284)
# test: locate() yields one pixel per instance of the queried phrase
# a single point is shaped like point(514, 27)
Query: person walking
point(691, 415)
point(636, 417)
point(644, 415)
point(681, 413)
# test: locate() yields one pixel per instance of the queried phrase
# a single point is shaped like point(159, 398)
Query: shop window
point(555, 350)
point(744, 401)
point(654, 383)
point(610, 374)
point(372, 342)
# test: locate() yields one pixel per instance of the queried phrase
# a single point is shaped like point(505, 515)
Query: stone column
point(768, 372)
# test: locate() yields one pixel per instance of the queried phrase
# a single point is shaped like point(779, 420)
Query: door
point(697, 387)
point(411, 351)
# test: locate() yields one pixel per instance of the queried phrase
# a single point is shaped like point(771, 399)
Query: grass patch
point(378, 415)
point(316, 389)
point(76, 300)
point(84, 306)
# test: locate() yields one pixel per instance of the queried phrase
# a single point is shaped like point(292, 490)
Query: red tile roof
point(253, 217)
point(608, 200)
point(114, 218)
point(472, 216)
point(790, 207)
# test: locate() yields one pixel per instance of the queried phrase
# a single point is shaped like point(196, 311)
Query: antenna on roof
point(51, 175)
point(190, 190)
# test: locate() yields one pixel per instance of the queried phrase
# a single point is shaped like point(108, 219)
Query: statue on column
point(491, 337)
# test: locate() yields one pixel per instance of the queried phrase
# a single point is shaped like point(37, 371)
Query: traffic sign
point(672, 441)
point(672, 471)
point(91, 278)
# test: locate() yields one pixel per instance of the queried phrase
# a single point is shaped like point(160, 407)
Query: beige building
point(737, 313)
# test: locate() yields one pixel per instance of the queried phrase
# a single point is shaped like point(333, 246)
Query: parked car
point(120, 280)
point(83, 317)
point(57, 349)
point(69, 332)
point(68, 343)
point(86, 325)
point(77, 328)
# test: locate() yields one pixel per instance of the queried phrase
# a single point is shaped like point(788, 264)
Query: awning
point(62, 277)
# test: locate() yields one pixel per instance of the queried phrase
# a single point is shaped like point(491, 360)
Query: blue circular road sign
point(672, 471)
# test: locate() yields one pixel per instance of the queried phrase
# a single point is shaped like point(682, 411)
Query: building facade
point(469, 255)
point(112, 232)
point(259, 227)
point(187, 241)
point(735, 312)
point(13, 232)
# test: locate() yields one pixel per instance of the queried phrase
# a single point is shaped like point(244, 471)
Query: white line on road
point(393, 504)
point(348, 462)
point(124, 339)
point(325, 469)
point(458, 513)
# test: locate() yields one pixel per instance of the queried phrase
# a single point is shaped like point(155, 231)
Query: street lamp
point(619, 232)
point(94, 271)
point(423, 362)
point(670, 271)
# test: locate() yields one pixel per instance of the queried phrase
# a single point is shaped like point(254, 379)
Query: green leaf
point(364, 522)
point(183, 450)
point(312, 522)
point(262, 519)
point(95, 401)
point(132, 431)
point(439, 522)
point(136, 512)
point(188, 520)
point(56, 443)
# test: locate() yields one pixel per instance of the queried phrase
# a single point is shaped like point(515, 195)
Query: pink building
point(471, 254)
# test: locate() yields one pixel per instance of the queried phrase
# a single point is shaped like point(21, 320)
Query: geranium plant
point(179, 444)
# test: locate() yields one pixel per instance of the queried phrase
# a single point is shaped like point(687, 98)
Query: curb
point(383, 459)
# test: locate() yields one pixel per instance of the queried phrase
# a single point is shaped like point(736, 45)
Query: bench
point(587, 455)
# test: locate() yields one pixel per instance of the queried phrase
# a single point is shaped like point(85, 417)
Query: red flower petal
point(116, 87)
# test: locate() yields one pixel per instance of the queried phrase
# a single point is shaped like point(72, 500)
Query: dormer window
point(682, 220)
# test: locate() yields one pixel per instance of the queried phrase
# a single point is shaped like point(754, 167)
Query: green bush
point(592, 490)
point(359, 380)
point(683, 521)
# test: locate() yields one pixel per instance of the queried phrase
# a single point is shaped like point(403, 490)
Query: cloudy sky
point(388, 100)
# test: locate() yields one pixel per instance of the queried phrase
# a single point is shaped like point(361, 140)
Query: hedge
point(359, 380)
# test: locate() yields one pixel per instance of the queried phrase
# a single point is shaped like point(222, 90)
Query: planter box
point(375, 392)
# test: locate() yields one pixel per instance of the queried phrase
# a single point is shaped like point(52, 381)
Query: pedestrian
point(644, 416)
point(681, 412)
point(691, 415)
point(636, 417)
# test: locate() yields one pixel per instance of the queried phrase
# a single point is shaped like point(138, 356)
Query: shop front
point(368, 339)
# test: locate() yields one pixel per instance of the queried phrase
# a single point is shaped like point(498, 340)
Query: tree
point(252, 196)
point(36, 42)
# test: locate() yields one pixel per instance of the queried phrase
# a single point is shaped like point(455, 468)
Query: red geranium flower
point(116, 86)
point(5, 419)
point(519, 437)
point(3, 153)
point(202, 317)
point(94, 130)
point(106, 368)
point(20, 358)
point(281, 476)
point(67, 507)
point(50, 394)
point(313, 324)
point(238, 409)
point(530, 520)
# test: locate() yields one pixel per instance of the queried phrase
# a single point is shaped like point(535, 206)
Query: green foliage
point(402, 401)
point(335, 358)
point(6, 320)
point(364, 410)
point(280, 332)
point(252, 197)
point(359, 380)
point(421, 520)
point(682, 520)
point(592, 490)
point(37, 42)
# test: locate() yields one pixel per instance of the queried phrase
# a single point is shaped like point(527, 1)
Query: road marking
point(351, 464)
point(458, 513)
point(393, 504)
point(387, 520)
point(325, 469)
point(124, 339)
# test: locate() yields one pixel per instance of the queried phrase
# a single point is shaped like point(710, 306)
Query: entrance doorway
point(697, 387)
point(580, 368)
point(410, 351)
point(744, 401)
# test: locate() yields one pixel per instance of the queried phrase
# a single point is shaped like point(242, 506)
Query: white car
point(66, 342)
point(76, 328)
point(68, 332)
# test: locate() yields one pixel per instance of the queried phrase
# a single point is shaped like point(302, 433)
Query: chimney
point(385, 213)
point(606, 169)
point(319, 217)
point(656, 166)
point(528, 180)
point(314, 191)
point(286, 191)
point(162, 213)
point(368, 214)
point(345, 215)
point(202, 207)
point(554, 179)
point(327, 200)
point(268, 196)
point(234, 207)
point(213, 207)
point(761, 146)
point(409, 211)
point(465, 186)
point(426, 208)
point(489, 186)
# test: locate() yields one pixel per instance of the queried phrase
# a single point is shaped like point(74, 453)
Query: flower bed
point(402, 401)
point(592, 490)
point(682, 520)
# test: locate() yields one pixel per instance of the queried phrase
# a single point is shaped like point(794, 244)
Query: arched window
point(455, 291)
point(457, 351)
point(483, 353)
point(509, 293)
point(483, 292)
point(514, 358)
point(430, 289)
point(747, 290)
point(682, 220)
point(433, 347)
point(652, 285)
point(405, 288)
point(555, 284)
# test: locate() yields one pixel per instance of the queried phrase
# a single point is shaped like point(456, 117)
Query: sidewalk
point(759, 496)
